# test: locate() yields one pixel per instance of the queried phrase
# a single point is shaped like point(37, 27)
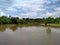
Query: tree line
point(17, 20)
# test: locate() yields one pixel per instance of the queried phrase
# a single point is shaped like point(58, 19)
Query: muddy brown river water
point(29, 35)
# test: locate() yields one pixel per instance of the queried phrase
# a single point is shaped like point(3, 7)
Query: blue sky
point(30, 8)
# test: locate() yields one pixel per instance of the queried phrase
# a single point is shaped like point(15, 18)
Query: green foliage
point(15, 20)
point(37, 21)
point(4, 20)
point(50, 20)
point(57, 20)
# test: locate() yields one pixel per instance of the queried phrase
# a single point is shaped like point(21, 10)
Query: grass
point(30, 24)
point(51, 25)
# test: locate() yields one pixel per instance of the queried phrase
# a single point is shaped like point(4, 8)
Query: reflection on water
point(48, 31)
point(29, 35)
point(13, 27)
point(2, 28)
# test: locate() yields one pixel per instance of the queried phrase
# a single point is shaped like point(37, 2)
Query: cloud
point(29, 15)
point(33, 8)
point(5, 3)
point(11, 9)
point(53, 8)
point(57, 9)
point(3, 14)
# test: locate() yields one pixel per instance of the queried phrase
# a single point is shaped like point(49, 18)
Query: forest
point(37, 21)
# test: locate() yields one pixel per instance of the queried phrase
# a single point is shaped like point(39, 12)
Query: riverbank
point(21, 25)
point(30, 24)
point(51, 25)
point(14, 26)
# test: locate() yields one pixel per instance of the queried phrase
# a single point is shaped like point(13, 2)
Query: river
point(29, 35)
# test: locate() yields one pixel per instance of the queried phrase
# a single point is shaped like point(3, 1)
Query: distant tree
point(15, 20)
point(37, 21)
point(4, 20)
point(50, 20)
point(57, 20)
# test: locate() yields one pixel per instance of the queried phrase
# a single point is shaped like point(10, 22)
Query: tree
point(50, 20)
point(15, 20)
point(4, 20)
point(57, 20)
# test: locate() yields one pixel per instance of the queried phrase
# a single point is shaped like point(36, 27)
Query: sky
point(30, 8)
